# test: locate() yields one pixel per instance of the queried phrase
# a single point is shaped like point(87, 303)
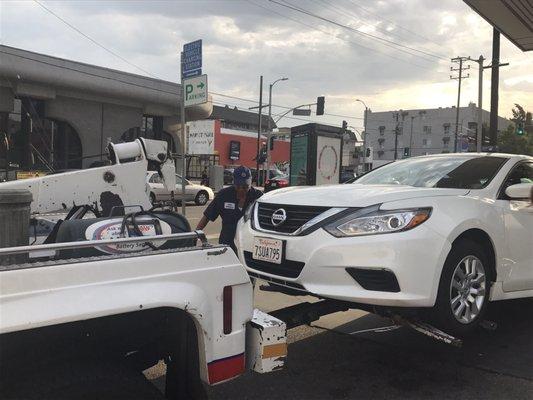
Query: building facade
point(423, 131)
point(58, 114)
point(230, 134)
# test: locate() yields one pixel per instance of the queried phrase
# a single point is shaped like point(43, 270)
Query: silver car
point(198, 193)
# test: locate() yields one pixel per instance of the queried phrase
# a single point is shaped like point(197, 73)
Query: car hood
point(352, 195)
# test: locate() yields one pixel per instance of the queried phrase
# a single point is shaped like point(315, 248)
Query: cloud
point(244, 39)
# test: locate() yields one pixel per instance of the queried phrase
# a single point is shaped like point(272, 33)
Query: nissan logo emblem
point(278, 217)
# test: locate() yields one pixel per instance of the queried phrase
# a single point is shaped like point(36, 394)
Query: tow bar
point(305, 313)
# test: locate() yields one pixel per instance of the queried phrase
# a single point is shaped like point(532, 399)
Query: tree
point(510, 142)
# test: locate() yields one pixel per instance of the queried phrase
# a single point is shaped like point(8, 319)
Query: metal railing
point(200, 235)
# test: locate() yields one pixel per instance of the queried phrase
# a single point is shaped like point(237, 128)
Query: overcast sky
point(246, 38)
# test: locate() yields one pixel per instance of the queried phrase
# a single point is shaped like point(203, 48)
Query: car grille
point(380, 280)
point(288, 268)
point(296, 216)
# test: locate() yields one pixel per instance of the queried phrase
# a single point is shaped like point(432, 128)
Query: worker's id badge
point(229, 206)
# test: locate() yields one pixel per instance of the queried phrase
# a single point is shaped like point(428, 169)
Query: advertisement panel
point(298, 169)
point(328, 152)
point(201, 137)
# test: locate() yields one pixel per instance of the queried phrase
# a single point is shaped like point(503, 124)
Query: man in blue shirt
point(230, 204)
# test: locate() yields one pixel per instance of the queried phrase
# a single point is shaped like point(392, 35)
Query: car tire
point(202, 197)
point(464, 289)
point(152, 198)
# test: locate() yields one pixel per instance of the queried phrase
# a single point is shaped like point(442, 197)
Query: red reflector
point(227, 301)
point(227, 368)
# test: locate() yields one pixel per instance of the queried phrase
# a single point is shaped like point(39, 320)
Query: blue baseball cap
point(242, 176)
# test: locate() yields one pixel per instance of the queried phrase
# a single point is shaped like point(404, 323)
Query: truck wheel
point(201, 198)
point(183, 370)
point(463, 290)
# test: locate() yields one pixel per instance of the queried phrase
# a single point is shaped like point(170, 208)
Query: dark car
point(228, 176)
point(347, 176)
point(279, 181)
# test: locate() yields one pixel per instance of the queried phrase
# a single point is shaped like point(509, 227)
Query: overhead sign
point(201, 137)
point(195, 90)
point(191, 59)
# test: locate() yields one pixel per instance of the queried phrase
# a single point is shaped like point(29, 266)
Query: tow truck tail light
point(227, 304)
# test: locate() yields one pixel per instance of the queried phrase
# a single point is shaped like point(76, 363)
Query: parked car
point(347, 176)
point(276, 182)
point(193, 192)
point(442, 234)
point(228, 176)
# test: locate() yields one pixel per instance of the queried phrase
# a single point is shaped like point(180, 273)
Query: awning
point(513, 18)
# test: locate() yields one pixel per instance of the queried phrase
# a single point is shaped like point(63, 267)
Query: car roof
point(475, 155)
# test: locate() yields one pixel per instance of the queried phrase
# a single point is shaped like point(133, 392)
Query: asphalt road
point(332, 359)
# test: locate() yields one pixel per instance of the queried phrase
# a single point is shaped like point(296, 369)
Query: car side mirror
point(519, 191)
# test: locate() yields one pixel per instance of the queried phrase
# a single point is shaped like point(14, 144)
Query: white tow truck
point(97, 303)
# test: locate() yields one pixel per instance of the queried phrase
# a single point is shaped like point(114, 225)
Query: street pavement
point(333, 359)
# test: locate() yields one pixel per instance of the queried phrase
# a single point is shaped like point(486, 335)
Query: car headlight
point(248, 212)
point(378, 221)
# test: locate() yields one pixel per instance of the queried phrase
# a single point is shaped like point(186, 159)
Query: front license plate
point(266, 249)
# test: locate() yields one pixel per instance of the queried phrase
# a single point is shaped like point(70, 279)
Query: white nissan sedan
point(447, 233)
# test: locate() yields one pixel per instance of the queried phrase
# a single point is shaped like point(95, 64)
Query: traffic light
point(344, 125)
point(519, 130)
point(368, 152)
point(406, 151)
point(271, 143)
point(320, 105)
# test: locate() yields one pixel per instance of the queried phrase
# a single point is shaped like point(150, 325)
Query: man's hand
point(202, 223)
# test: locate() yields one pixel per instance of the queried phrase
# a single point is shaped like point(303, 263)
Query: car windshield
point(457, 172)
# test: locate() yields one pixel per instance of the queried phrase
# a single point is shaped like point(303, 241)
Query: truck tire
point(464, 289)
point(84, 379)
point(183, 371)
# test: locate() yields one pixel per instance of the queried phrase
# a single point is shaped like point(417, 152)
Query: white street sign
point(195, 90)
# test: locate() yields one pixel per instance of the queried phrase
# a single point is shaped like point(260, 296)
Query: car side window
point(155, 178)
point(522, 173)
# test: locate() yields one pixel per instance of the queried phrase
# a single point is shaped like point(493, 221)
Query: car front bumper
point(415, 258)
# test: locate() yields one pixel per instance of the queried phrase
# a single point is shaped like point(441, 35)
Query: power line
point(386, 42)
point(278, 106)
point(342, 11)
point(392, 22)
point(341, 38)
point(91, 39)
point(147, 72)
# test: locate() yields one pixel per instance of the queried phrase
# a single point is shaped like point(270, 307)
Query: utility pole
point(259, 128)
point(411, 137)
point(269, 133)
point(459, 78)
point(183, 142)
point(479, 133)
point(396, 115)
point(494, 83)
point(365, 132)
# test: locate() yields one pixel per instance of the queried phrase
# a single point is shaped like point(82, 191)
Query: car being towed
point(447, 233)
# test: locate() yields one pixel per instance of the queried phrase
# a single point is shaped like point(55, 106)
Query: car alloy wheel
point(201, 198)
point(467, 289)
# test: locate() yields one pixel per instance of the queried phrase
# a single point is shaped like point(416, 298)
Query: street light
point(269, 133)
point(364, 136)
